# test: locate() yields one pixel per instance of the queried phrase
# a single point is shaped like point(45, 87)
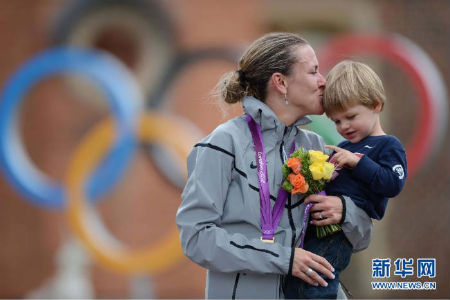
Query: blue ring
point(123, 97)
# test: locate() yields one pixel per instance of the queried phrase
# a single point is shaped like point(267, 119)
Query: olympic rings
point(121, 90)
point(431, 122)
point(182, 62)
point(138, 32)
point(152, 127)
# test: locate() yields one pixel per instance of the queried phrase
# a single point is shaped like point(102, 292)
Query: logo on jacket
point(253, 166)
point(398, 169)
point(261, 174)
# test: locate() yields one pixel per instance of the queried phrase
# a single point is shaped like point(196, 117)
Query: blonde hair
point(271, 53)
point(349, 83)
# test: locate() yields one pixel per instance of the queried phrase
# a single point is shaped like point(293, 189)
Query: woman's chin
point(318, 111)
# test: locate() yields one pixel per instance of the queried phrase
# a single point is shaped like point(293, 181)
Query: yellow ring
point(164, 129)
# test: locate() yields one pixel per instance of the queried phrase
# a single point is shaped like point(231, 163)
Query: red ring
point(389, 47)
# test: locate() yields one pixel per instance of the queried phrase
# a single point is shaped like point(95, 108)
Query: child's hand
point(343, 158)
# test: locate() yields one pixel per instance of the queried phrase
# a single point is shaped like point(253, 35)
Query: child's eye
point(337, 122)
point(351, 117)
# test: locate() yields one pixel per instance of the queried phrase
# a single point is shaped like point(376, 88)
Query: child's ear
point(279, 82)
point(378, 107)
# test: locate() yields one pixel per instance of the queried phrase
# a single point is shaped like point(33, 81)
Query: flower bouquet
point(307, 172)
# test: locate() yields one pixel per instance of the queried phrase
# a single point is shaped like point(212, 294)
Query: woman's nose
point(322, 81)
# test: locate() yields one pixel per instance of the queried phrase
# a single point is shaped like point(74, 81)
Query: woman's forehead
point(306, 55)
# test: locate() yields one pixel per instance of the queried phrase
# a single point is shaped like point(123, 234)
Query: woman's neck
point(284, 112)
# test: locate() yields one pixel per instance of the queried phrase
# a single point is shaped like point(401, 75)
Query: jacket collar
point(265, 117)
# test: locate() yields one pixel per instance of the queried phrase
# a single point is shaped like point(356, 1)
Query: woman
point(225, 220)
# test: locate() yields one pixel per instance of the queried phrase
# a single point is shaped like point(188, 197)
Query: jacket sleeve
point(357, 226)
point(198, 218)
point(387, 176)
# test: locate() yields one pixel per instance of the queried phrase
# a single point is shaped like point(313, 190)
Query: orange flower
point(295, 164)
point(299, 183)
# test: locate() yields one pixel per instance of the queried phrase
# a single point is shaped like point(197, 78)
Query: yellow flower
point(321, 170)
point(317, 156)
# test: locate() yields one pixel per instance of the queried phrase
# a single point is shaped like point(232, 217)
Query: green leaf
point(287, 186)
point(326, 230)
point(286, 171)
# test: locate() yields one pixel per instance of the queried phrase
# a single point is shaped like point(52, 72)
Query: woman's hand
point(306, 266)
point(326, 211)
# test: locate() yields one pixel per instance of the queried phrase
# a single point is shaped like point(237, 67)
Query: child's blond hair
point(350, 83)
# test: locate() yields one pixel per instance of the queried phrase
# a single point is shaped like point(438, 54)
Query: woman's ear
point(279, 82)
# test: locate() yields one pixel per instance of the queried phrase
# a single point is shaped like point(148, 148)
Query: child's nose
point(344, 125)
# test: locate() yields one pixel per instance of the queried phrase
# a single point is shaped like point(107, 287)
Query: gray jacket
point(219, 217)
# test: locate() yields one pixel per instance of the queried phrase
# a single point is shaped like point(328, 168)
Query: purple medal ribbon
point(269, 220)
point(306, 219)
point(305, 223)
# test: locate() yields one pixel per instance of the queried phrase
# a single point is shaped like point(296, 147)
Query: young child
point(371, 165)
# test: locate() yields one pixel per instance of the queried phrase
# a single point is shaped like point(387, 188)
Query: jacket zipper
point(282, 151)
point(235, 286)
point(289, 200)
